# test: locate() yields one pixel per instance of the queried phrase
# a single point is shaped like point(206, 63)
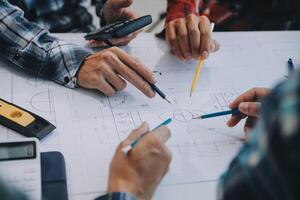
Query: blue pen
point(133, 144)
point(218, 114)
point(291, 66)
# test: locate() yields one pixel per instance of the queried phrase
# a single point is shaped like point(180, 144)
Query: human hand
point(190, 37)
point(106, 69)
point(142, 169)
point(249, 106)
point(117, 10)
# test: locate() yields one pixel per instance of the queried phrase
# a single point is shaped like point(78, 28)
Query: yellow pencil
point(197, 73)
point(198, 70)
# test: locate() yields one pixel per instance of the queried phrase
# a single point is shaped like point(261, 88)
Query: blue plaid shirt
point(59, 15)
point(32, 48)
point(268, 166)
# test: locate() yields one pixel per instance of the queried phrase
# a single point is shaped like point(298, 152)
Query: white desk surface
point(257, 59)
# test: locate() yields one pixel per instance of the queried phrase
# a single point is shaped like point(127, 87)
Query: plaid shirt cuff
point(116, 196)
point(68, 59)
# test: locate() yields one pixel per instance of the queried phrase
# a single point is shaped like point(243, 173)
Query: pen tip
point(168, 101)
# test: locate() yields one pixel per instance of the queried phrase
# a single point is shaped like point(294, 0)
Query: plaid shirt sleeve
point(32, 48)
point(267, 167)
point(180, 8)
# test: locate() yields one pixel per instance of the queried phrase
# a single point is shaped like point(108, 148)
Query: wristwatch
point(116, 196)
point(99, 10)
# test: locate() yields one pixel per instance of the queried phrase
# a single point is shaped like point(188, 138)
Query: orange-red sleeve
point(180, 8)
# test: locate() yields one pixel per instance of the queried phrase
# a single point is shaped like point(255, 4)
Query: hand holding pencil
point(198, 69)
point(249, 105)
point(144, 167)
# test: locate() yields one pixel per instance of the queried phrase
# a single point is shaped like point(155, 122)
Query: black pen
point(291, 67)
point(159, 92)
point(153, 86)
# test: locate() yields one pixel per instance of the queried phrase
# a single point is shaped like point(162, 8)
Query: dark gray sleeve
point(7, 193)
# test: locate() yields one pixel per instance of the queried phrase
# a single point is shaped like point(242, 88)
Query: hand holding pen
point(249, 106)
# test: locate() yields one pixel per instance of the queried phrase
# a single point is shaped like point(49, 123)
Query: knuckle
point(205, 33)
point(190, 17)
point(153, 142)
point(131, 75)
point(170, 25)
point(183, 35)
point(107, 72)
point(180, 21)
point(94, 78)
point(145, 87)
point(194, 31)
point(104, 70)
point(204, 19)
point(114, 49)
point(107, 55)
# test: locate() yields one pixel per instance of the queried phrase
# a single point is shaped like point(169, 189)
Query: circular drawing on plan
point(42, 101)
point(183, 115)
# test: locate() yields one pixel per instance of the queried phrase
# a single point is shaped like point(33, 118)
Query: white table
point(250, 59)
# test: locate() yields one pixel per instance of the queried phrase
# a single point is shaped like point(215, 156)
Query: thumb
point(119, 4)
point(250, 108)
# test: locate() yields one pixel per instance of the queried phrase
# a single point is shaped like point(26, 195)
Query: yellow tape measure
point(23, 121)
point(15, 114)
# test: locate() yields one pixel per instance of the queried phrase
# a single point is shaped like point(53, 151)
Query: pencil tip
point(125, 150)
point(191, 93)
point(197, 117)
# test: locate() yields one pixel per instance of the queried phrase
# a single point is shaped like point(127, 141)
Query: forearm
point(35, 50)
point(180, 8)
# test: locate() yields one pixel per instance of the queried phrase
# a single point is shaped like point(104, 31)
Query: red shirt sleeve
point(180, 8)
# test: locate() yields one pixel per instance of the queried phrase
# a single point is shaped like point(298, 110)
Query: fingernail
point(152, 94)
point(205, 55)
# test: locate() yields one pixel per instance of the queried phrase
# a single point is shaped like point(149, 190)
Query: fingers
point(205, 31)
point(118, 4)
point(172, 42)
point(249, 124)
point(247, 105)
point(136, 65)
point(214, 46)
point(250, 96)
point(162, 133)
point(183, 39)
point(190, 37)
point(136, 134)
point(133, 71)
point(112, 78)
point(154, 143)
point(235, 119)
point(194, 35)
point(250, 108)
